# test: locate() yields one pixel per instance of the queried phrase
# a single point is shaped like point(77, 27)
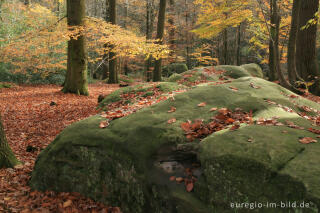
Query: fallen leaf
point(172, 120)
point(173, 109)
point(213, 109)
point(104, 124)
point(67, 203)
point(202, 104)
point(189, 186)
point(234, 88)
point(254, 86)
point(307, 140)
point(179, 179)
point(172, 178)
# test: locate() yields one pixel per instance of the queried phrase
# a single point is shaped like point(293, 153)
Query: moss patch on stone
point(254, 70)
point(118, 165)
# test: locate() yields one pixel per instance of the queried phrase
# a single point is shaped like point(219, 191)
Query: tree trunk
point(160, 32)
point(188, 58)
point(172, 31)
point(105, 58)
point(76, 79)
point(292, 72)
point(306, 42)
point(225, 46)
point(239, 45)
point(7, 158)
point(149, 30)
point(274, 41)
point(113, 74)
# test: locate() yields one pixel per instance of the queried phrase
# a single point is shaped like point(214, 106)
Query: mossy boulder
point(174, 68)
point(254, 70)
point(129, 163)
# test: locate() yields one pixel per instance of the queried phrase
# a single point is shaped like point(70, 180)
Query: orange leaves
point(254, 86)
point(172, 120)
point(225, 117)
point(307, 140)
point(173, 109)
point(234, 89)
point(104, 124)
point(203, 104)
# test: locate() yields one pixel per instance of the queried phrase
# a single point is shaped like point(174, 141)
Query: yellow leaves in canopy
point(42, 44)
point(217, 15)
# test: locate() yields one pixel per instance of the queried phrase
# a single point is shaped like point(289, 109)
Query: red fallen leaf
point(188, 171)
point(172, 178)
point(234, 88)
point(172, 120)
point(189, 186)
point(103, 124)
point(114, 210)
point(316, 131)
point(202, 104)
point(254, 86)
point(173, 109)
point(230, 120)
point(196, 125)
point(234, 127)
point(213, 109)
point(179, 179)
point(293, 96)
point(307, 140)
point(186, 126)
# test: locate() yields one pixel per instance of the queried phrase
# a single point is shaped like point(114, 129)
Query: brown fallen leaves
point(30, 120)
point(225, 117)
point(188, 180)
point(307, 140)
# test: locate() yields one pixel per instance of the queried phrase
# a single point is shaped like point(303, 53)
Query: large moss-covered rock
point(129, 163)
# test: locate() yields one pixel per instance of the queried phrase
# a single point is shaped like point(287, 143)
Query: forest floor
point(33, 116)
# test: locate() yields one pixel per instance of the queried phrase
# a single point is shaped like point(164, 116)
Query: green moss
point(121, 159)
point(233, 71)
point(254, 70)
point(175, 77)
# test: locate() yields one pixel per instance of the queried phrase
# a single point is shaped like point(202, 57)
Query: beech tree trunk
point(160, 33)
point(239, 45)
point(7, 158)
point(172, 31)
point(76, 78)
point(113, 74)
point(149, 29)
point(292, 72)
point(274, 41)
point(306, 42)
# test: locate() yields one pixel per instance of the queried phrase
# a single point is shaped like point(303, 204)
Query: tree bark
point(149, 30)
point(172, 31)
point(113, 74)
point(274, 41)
point(7, 158)
point(160, 33)
point(306, 42)
point(292, 71)
point(76, 78)
point(225, 46)
point(239, 45)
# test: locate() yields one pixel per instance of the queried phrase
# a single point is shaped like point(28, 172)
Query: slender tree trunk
point(160, 33)
point(225, 44)
point(105, 66)
point(188, 59)
point(113, 74)
point(149, 29)
point(274, 40)
point(172, 31)
point(7, 158)
point(292, 72)
point(76, 79)
point(306, 42)
point(239, 45)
